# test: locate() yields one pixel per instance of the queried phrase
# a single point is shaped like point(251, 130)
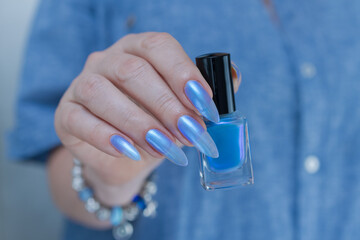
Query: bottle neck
point(216, 69)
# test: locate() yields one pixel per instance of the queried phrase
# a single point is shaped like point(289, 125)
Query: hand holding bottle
point(139, 100)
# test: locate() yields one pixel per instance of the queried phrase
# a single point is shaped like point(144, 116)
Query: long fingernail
point(235, 71)
point(201, 100)
point(197, 135)
point(166, 147)
point(126, 148)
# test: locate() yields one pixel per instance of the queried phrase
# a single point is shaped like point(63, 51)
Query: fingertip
point(236, 76)
point(125, 147)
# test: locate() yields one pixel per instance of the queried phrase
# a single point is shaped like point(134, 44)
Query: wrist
point(113, 194)
point(121, 218)
point(65, 198)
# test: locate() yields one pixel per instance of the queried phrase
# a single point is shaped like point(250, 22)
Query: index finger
point(169, 59)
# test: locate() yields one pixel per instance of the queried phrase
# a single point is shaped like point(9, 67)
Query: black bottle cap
point(216, 69)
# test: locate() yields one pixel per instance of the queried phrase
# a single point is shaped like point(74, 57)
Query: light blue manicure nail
point(126, 148)
point(201, 100)
point(166, 147)
point(197, 135)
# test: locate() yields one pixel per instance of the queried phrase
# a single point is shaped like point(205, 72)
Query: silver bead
point(123, 231)
point(150, 188)
point(76, 171)
point(103, 214)
point(131, 212)
point(92, 205)
point(78, 183)
point(76, 162)
point(147, 197)
point(150, 210)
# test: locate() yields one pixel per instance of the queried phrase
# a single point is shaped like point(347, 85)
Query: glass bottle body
point(233, 166)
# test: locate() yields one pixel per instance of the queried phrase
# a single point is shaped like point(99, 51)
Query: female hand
point(132, 104)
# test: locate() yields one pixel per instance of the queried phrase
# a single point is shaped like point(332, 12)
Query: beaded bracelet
point(119, 217)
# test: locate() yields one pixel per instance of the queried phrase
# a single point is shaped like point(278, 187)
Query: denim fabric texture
point(300, 93)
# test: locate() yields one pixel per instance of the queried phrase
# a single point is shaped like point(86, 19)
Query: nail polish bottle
point(233, 166)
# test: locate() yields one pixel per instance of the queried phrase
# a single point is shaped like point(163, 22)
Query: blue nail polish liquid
point(221, 133)
point(233, 166)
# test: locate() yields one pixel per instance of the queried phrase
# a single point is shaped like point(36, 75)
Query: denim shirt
point(300, 64)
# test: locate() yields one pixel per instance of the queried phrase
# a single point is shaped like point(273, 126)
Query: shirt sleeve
point(61, 38)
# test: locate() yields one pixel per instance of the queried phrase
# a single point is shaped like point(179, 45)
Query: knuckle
point(58, 119)
point(88, 88)
point(71, 118)
point(108, 110)
point(183, 70)
point(155, 40)
point(95, 57)
point(166, 103)
point(95, 132)
point(128, 118)
point(131, 68)
point(66, 117)
point(127, 37)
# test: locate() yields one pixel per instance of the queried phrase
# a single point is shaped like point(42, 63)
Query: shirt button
point(312, 164)
point(130, 21)
point(308, 70)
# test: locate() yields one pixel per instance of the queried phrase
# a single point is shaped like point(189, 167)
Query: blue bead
point(140, 203)
point(135, 199)
point(116, 216)
point(85, 194)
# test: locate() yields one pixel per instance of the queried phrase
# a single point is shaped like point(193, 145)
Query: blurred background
point(26, 210)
